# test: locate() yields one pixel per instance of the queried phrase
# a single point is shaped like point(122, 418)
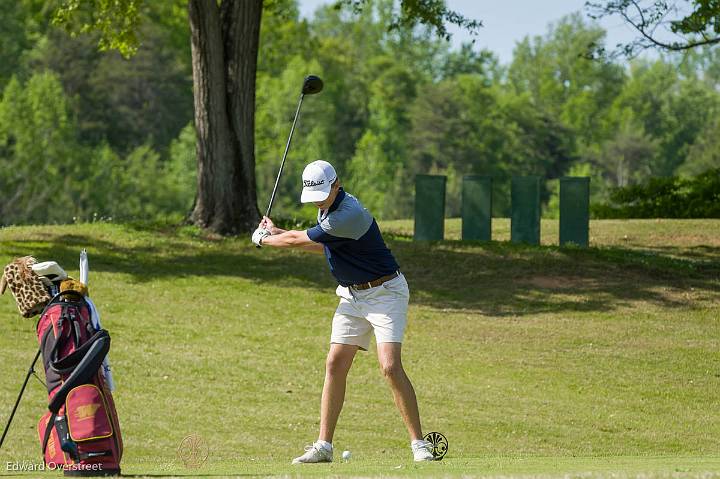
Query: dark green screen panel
point(575, 211)
point(525, 220)
point(477, 208)
point(429, 207)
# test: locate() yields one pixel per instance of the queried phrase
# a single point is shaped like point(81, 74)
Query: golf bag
point(80, 433)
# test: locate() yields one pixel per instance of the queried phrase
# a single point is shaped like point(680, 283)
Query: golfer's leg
point(338, 363)
point(402, 389)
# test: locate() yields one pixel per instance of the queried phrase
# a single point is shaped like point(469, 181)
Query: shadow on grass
point(503, 279)
point(702, 253)
point(494, 278)
point(172, 257)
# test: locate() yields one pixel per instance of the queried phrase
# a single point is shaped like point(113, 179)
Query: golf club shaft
point(17, 402)
point(282, 164)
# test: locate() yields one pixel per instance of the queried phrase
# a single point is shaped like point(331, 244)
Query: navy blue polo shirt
point(354, 247)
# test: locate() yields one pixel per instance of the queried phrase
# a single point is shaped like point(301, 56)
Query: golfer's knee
point(392, 370)
point(337, 365)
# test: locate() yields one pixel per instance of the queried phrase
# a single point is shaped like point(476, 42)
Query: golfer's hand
point(267, 223)
point(258, 236)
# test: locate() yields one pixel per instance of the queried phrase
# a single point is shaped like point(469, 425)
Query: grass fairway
point(602, 362)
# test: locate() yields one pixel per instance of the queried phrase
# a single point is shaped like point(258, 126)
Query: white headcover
point(51, 270)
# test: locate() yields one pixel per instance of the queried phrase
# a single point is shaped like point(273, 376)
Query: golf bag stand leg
point(17, 402)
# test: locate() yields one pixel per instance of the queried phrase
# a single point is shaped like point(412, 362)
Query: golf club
point(311, 86)
point(17, 402)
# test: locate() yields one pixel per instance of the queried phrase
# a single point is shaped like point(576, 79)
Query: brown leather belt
point(376, 282)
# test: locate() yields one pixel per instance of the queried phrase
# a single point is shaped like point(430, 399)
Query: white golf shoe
point(313, 454)
point(422, 451)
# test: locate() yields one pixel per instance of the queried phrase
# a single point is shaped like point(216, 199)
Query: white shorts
point(382, 309)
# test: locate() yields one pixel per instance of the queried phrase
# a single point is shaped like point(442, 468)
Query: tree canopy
point(101, 136)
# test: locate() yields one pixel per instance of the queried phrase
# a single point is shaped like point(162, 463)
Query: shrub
point(670, 197)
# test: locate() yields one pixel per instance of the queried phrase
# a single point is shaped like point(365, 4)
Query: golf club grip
point(282, 164)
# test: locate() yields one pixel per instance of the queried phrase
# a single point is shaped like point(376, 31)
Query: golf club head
point(312, 85)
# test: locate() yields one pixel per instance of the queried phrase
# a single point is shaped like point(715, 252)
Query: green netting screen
point(574, 210)
point(477, 208)
point(429, 207)
point(525, 219)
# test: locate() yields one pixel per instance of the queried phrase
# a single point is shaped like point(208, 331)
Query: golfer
point(373, 299)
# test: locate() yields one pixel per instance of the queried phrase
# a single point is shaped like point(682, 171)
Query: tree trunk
point(224, 60)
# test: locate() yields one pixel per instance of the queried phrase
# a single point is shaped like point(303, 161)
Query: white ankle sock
point(417, 441)
point(324, 444)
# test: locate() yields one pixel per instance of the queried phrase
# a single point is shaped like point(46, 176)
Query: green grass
point(599, 362)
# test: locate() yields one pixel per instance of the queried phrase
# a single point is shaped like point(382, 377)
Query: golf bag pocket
point(54, 455)
point(86, 414)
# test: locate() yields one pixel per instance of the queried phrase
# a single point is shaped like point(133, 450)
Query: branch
point(647, 20)
point(433, 13)
point(116, 22)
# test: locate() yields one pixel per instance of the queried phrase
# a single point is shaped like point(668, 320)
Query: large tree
point(224, 61)
point(225, 37)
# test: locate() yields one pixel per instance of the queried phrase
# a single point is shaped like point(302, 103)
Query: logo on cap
point(309, 183)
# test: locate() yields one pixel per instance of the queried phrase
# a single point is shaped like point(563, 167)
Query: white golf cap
point(50, 270)
point(317, 178)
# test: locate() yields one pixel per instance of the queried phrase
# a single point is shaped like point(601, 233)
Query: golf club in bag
point(311, 86)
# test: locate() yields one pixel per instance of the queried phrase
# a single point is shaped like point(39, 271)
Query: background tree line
point(87, 134)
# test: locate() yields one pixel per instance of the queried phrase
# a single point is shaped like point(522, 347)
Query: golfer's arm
point(292, 239)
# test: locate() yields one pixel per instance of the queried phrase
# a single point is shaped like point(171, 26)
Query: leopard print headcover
point(29, 292)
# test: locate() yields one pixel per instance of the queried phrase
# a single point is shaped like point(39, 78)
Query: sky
point(506, 22)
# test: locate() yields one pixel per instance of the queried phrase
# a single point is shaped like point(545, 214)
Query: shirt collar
point(338, 199)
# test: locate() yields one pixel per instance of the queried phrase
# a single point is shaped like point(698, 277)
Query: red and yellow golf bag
point(80, 433)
